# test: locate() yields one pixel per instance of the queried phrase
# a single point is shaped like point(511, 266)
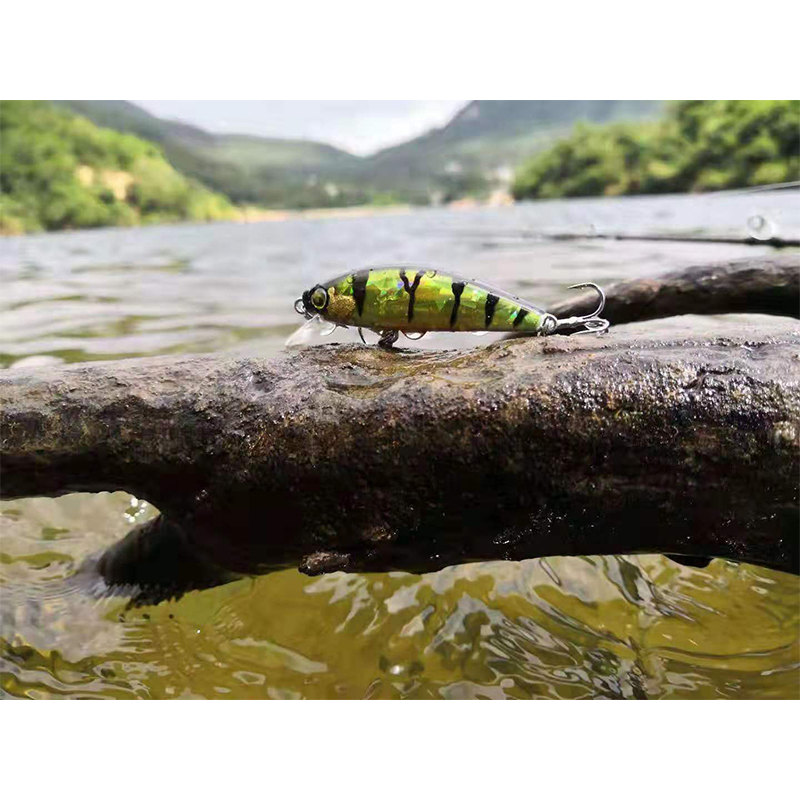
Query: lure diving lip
point(414, 301)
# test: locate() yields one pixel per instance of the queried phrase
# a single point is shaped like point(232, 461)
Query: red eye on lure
point(391, 301)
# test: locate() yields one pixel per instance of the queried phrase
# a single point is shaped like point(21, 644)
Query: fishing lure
point(391, 301)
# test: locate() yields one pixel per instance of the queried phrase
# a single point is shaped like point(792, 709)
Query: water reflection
point(610, 627)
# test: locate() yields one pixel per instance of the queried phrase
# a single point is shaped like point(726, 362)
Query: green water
point(606, 627)
point(612, 627)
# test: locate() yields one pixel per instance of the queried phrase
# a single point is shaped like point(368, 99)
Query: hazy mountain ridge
point(494, 133)
point(248, 169)
point(460, 158)
point(127, 117)
point(510, 119)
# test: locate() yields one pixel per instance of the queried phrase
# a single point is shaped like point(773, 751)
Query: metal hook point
point(592, 322)
point(599, 309)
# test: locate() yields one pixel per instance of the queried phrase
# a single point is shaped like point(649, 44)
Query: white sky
point(360, 126)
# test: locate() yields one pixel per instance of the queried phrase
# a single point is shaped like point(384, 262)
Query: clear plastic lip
point(310, 332)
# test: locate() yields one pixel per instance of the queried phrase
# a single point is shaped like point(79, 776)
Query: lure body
point(413, 301)
point(417, 301)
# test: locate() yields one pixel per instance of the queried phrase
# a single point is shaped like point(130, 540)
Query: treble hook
point(592, 322)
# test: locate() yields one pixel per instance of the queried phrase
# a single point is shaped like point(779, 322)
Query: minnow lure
point(391, 301)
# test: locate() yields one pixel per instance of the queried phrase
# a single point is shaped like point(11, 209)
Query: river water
point(614, 627)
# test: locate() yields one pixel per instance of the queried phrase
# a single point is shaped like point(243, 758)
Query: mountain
point(488, 132)
point(59, 170)
point(248, 169)
point(476, 151)
point(129, 118)
point(488, 139)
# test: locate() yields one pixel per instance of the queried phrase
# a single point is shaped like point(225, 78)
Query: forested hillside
point(701, 145)
point(59, 170)
point(263, 171)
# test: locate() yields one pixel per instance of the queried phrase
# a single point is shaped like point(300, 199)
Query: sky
point(360, 126)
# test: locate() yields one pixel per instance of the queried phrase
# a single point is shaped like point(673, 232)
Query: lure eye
point(319, 298)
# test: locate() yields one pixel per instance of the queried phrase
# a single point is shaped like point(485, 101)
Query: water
point(616, 627)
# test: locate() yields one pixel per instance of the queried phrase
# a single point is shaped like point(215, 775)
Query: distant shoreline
point(500, 198)
point(250, 214)
point(247, 216)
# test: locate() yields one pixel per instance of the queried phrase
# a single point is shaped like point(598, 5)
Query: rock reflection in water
point(608, 627)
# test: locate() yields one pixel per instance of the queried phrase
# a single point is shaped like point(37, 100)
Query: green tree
point(58, 170)
point(701, 145)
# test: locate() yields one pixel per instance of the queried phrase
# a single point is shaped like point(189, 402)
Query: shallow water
point(615, 627)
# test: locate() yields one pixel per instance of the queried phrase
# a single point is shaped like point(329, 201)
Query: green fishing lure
point(392, 300)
